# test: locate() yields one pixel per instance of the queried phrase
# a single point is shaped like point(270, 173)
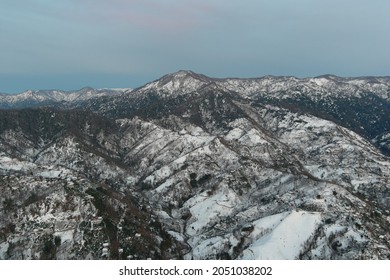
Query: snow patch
point(286, 237)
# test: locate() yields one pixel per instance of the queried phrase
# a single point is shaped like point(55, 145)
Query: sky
point(70, 44)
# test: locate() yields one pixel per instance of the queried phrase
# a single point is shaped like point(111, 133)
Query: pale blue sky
point(69, 44)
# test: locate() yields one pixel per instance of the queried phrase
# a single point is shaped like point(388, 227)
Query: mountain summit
point(181, 82)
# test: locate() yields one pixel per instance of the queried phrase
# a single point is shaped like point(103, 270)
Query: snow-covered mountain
point(360, 104)
point(36, 98)
point(201, 168)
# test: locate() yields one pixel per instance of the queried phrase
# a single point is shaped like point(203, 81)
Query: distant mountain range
point(195, 167)
point(37, 98)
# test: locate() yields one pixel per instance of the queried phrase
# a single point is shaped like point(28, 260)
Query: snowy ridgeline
point(35, 98)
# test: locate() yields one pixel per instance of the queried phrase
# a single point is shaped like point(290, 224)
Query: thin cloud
point(151, 16)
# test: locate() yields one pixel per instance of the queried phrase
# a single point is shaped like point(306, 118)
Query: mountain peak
point(182, 81)
point(183, 73)
point(186, 74)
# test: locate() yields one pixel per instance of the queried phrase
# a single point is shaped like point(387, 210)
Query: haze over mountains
point(195, 167)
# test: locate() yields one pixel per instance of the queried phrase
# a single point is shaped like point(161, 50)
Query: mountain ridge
point(198, 76)
point(36, 98)
point(326, 96)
